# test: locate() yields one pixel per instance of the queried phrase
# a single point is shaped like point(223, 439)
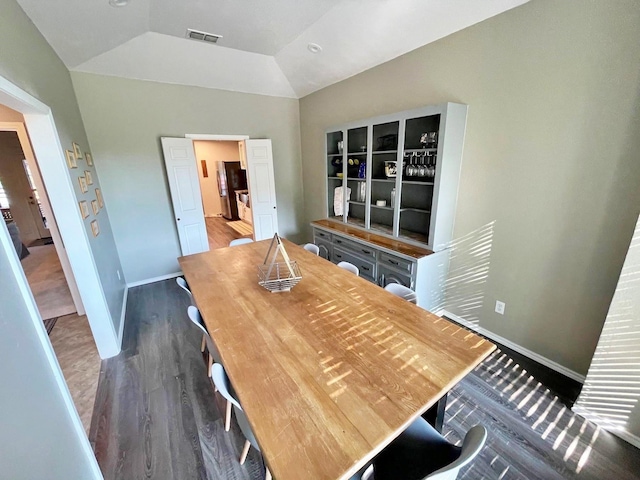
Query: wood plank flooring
point(155, 414)
point(48, 283)
point(79, 360)
point(219, 233)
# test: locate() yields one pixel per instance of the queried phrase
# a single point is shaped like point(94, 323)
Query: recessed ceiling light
point(314, 48)
point(118, 3)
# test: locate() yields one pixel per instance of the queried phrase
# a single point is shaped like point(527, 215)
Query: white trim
point(153, 280)
point(514, 346)
point(223, 138)
point(615, 430)
point(123, 314)
point(7, 245)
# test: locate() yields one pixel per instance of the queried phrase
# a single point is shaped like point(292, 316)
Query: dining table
point(330, 372)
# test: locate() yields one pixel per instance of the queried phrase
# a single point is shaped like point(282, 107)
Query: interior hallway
point(48, 283)
point(219, 233)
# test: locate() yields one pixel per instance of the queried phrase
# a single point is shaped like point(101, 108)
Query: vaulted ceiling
point(264, 44)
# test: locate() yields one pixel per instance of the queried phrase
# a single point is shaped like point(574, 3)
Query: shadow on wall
point(465, 282)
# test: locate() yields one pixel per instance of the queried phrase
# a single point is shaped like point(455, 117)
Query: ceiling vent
point(203, 36)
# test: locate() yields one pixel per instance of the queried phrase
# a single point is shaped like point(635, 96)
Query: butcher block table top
point(332, 371)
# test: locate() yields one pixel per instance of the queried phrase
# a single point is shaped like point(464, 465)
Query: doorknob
point(274, 208)
point(177, 219)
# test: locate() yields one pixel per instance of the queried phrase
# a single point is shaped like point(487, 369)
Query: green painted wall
point(125, 120)
point(551, 155)
point(27, 60)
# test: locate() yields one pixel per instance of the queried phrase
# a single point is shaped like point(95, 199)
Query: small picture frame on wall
point(83, 184)
point(95, 228)
point(95, 207)
point(76, 151)
point(71, 159)
point(99, 197)
point(84, 209)
point(88, 158)
point(88, 177)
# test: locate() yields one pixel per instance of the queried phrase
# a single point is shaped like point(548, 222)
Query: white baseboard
point(514, 346)
point(153, 280)
point(623, 434)
point(122, 316)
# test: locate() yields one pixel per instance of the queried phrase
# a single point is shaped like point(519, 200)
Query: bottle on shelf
point(393, 197)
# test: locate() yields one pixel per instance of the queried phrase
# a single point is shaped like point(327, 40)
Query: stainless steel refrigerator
point(230, 178)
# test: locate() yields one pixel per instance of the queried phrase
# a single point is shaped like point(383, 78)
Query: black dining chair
point(421, 453)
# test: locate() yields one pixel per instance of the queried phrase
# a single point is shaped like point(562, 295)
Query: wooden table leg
point(435, 415)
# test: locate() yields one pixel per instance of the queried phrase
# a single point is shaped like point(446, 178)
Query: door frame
point(29, 156)
point(46, 144)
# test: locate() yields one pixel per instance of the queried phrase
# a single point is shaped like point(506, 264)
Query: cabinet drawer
point(326, 249)
point(396, 262)
point(367, 268)
point(321, 234)
point(388, 275)
point(355, 247)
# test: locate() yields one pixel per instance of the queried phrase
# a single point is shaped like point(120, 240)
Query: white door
point(262, 188)
point(184, 184)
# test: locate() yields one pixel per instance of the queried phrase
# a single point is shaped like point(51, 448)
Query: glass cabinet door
point(335, 173)
point(356, 171)
point(383, 176)
point(420, 159)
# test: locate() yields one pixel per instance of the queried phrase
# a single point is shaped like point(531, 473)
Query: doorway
point(240, 202)
point(30, 222)
point(224, 191)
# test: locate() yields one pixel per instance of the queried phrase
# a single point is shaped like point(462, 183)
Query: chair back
point(196, 319)
point(182, 283)
point(312, 247)
point(349, 267)
point(471, 446)
point(402, 292)
point(240, 241)
point(221, 381)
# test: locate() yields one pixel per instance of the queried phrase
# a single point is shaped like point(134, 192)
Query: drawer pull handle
point(367, 252)
point(394, 262)
point(365, 268)
point(338, 241)
point(338, 255)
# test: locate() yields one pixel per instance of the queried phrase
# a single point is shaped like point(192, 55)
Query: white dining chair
point(349, 267)
point(214, 355)
point(420, 452)
point(221, 381)
point(402, 292)
point(312, 247)
point(183, 285)
point(240, 241)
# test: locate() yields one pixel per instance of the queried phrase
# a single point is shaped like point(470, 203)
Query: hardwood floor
point(219, 233)
point(155, 416)
point(78, 357)
point(47, 281)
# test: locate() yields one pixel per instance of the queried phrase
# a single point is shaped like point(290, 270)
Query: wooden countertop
point(332, 371)
point(374, 239)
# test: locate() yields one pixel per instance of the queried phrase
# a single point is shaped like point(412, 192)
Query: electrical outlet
point(118, 272)
point(500, 307)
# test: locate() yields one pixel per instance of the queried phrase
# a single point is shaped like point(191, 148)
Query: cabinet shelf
point(412, 150)
point(416, 182)
point(388, 180)
point(424, 210)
